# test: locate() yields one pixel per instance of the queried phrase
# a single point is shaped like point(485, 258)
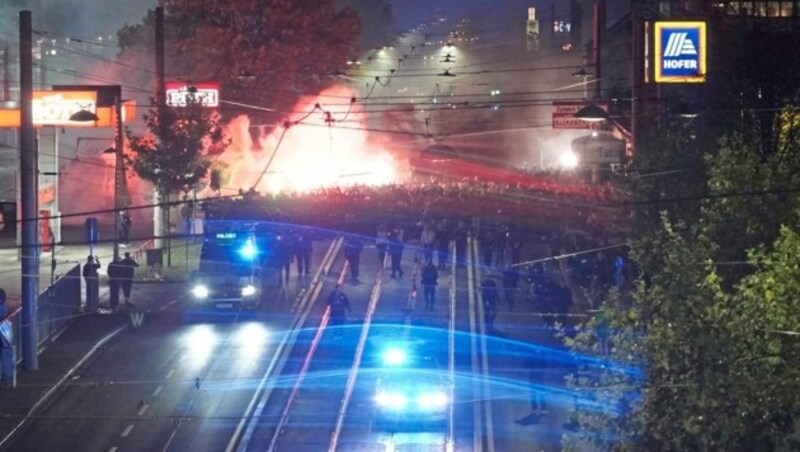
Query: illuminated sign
point(226, 235)
point(54, 108)
point(560, 26)
point(178, 93)
point(564, 116)
point(680, 52)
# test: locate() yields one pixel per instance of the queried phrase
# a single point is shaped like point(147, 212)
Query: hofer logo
point(680, 55)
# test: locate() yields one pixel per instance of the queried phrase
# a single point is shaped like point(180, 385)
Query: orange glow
point(313, 153)
point(10, 118)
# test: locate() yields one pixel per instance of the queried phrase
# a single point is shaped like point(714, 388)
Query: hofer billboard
point(680, 52)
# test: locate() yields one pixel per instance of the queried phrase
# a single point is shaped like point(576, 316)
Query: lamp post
point(119, 164)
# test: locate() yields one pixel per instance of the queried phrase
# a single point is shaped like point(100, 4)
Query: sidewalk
point(61, 355)
point(73, 252)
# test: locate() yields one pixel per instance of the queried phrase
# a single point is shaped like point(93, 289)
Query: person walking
point(489, 297)
point(91, 278)
point(352, 252)
point(381, 243)
point(125, 227)
point(510, 281)
point(429, 281)
point(442, 247)
point(283, 259)
point(396, 253)
point(339, 306)
point(428, 240)
point(116, 274)
point(128, 265)
point(302, 253)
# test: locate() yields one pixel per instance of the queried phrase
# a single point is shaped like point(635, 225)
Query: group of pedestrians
point(120, 279)
point(292, 247)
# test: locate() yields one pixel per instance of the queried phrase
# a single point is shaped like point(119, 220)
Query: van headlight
point(248, 290)
point(200, 291)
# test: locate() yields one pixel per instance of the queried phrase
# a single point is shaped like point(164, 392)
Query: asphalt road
point(189, 380)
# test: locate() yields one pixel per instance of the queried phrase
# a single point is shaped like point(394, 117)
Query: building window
point(773, 9)
point(733, 9)
point(786, 9)
point(746, 8)
point(760, 9)
point(531, 14)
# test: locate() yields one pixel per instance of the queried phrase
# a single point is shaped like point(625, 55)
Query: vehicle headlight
point(433, 400)
point(200, 291)
point(248, 290)
point(395, 401)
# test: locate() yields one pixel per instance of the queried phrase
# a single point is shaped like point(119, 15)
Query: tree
point(263, 52)
point(714, 341)
point(174, 154)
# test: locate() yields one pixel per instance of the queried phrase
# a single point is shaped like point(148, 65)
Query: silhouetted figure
point(128, 266)
point(125, 227)
point(352, 252)
point(396, 253)
point(91, 277)
point(339, 306)
point(302, 252)
point(429, 281)
point(116, 274)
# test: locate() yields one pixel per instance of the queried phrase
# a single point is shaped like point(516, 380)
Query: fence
point(56, 307)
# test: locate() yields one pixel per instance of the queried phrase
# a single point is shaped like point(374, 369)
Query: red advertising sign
point(177, 93)
point(564, 116)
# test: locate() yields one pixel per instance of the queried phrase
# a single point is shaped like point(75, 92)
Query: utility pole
point(119, 172)
point(637, 73)
point(29, 197)
point(158, 212)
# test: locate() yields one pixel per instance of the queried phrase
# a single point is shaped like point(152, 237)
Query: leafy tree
point(174, 154)
point(263, 52)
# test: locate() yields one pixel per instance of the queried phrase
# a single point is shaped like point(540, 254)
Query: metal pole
point(56, 180)
point(119, 174)
point(29, 187)
point(158, 213)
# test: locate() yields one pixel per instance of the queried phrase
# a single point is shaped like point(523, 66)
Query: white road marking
point(113, 449)
point(170, 373)
point(127, 431)
point(143, 409)
point(157, 391)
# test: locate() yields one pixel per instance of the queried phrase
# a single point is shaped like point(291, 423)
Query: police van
point(231, 267)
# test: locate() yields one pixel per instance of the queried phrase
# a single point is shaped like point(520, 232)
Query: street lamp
point(592, 113)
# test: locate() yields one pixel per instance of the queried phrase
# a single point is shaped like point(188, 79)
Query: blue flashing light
point(249, 250)
point(394, 356)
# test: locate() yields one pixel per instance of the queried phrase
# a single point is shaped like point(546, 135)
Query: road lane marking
point(143, 409)
point(127, 431)
point(170, 373)
point(113, 449)
point(157, 391)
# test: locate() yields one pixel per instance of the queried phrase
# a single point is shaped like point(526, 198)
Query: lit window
point(760, 9)
point(786, 9)
point(746, 8)
point(531, 14)
point(733, 8)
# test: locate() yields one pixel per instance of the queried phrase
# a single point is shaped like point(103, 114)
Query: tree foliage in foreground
point(712, 318)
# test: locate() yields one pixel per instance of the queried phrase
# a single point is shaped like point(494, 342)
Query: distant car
point(412, 389)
